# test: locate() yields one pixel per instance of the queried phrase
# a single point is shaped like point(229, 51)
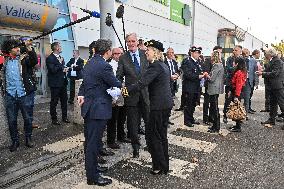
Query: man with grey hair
point(275, 76)
point(131, 66)
point(96, 106)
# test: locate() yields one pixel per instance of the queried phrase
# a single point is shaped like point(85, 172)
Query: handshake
point(204, 75)
point(124, 92)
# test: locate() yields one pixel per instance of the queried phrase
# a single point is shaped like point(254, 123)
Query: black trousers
point(182, 99)
point(206, 112)
point(93, 131)
point(58, 93)
point(228, 99)
point(133, 121)
point(267, 97)
point(276, 98)
point(72, 89)
point(115, 126)
point(214, 110)
point(157, 141)
point(191, 102)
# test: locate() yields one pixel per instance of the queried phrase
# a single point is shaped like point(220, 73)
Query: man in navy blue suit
point(96, 108)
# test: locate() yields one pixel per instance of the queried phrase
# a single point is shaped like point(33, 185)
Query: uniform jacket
point(56, 76)
point(216, 82)
point(191, 71)
point(275, 73)
point(27, 62)
point(97, 78)
point(78, 68)
point(126, 69)
point(157, 77)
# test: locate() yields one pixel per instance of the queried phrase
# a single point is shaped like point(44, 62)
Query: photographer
point(18, 86)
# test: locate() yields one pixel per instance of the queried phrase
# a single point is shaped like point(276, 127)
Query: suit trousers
point(276, 98)
point(191, 102)
point(56, 94)
point(228, 99)
point(157, 140)
point(93, 131)
point(115, 126)
point(206, 112)
point(246, 94)
point(214, 109)
point(72, 89)
point(267, 97)
point(133, 121)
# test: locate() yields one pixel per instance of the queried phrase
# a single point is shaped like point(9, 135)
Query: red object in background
point(2, 59)
point(74, 16)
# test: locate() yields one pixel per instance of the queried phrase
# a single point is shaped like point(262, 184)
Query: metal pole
point(124, 35)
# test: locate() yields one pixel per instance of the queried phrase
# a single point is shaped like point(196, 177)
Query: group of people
point(125, 87)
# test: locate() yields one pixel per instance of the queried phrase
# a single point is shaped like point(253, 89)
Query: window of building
point(39, 1)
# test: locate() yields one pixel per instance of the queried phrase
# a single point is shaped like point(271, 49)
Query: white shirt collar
point(193, 59)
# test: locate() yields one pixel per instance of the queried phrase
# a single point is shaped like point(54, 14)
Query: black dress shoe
point(66, 120)
point(29, 143)
point(102, 169)
point(157, 172)
point(195, 122)
point(114, 146)
point(171, 123)
point(101, 181)
point(104, 152)
point(279, 119)
point(14, 146)
point(251, 112)
point(213, 131)
point(282, 127)
point(268, 122)
point(55, 122)
point(179, 109)
point(189, 124)
point(101, 160)
point(264, 110)
point(235, 129)
point(135, 153)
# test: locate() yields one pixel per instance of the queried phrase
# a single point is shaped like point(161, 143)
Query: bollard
point(78, 119)
point(4, 130)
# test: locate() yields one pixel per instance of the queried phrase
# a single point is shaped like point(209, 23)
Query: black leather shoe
point(157, 172)
point(14, 146)
point(104, 152)
point(196, 122)
point(264, 110)
point(189, 124)
point(29, 143)
point(179, 109)
point(213, 131)
point(101, 181)
point(268, 122)
point(101, 160)
point(55, 122)
point(282, 127)
point(102, 169)
point(171, 123)
point(66, 120)
point(114, 146)
point(251, 112)
point(125, 140)
point(279, 119)
point(234, 129)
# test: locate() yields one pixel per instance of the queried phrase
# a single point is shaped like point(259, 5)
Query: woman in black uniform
point(157, 79)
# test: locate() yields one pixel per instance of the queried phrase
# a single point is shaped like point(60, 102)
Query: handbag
point(236, 111)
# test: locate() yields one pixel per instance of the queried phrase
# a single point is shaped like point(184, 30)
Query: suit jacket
point(157, 77)
point(78, 68)
point(97, 78)
point(126, 69)
point(275, 73)
point(229, 70)
point(216, 82)
point(174, 86)
point(191, 71)
point(56, 76)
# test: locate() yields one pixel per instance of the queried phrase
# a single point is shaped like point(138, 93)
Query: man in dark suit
point(192, 74)
point(96, 108)
point(132, 65)
point(57, 82)
point(275, 76)
point(75, 66)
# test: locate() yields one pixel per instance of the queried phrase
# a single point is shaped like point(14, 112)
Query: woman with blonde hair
point(215, 87)
point(157, 79)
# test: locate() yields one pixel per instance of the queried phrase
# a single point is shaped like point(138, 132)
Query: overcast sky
point(265, 19)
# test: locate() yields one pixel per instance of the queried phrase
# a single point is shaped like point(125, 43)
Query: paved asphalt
point(250, 159)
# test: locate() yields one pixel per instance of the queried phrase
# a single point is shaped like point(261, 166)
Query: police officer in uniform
point(192, 75)
point(157, 77)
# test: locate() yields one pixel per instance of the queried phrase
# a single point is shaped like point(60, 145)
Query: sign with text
point(180, 12)
point(27, 15)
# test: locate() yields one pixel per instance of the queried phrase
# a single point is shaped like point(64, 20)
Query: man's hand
point(65, 70)
point(80, 100)
point(174, 77)
point(259, 73)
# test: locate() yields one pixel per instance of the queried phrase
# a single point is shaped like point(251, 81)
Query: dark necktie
point(136, 64)
point(172, 67)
